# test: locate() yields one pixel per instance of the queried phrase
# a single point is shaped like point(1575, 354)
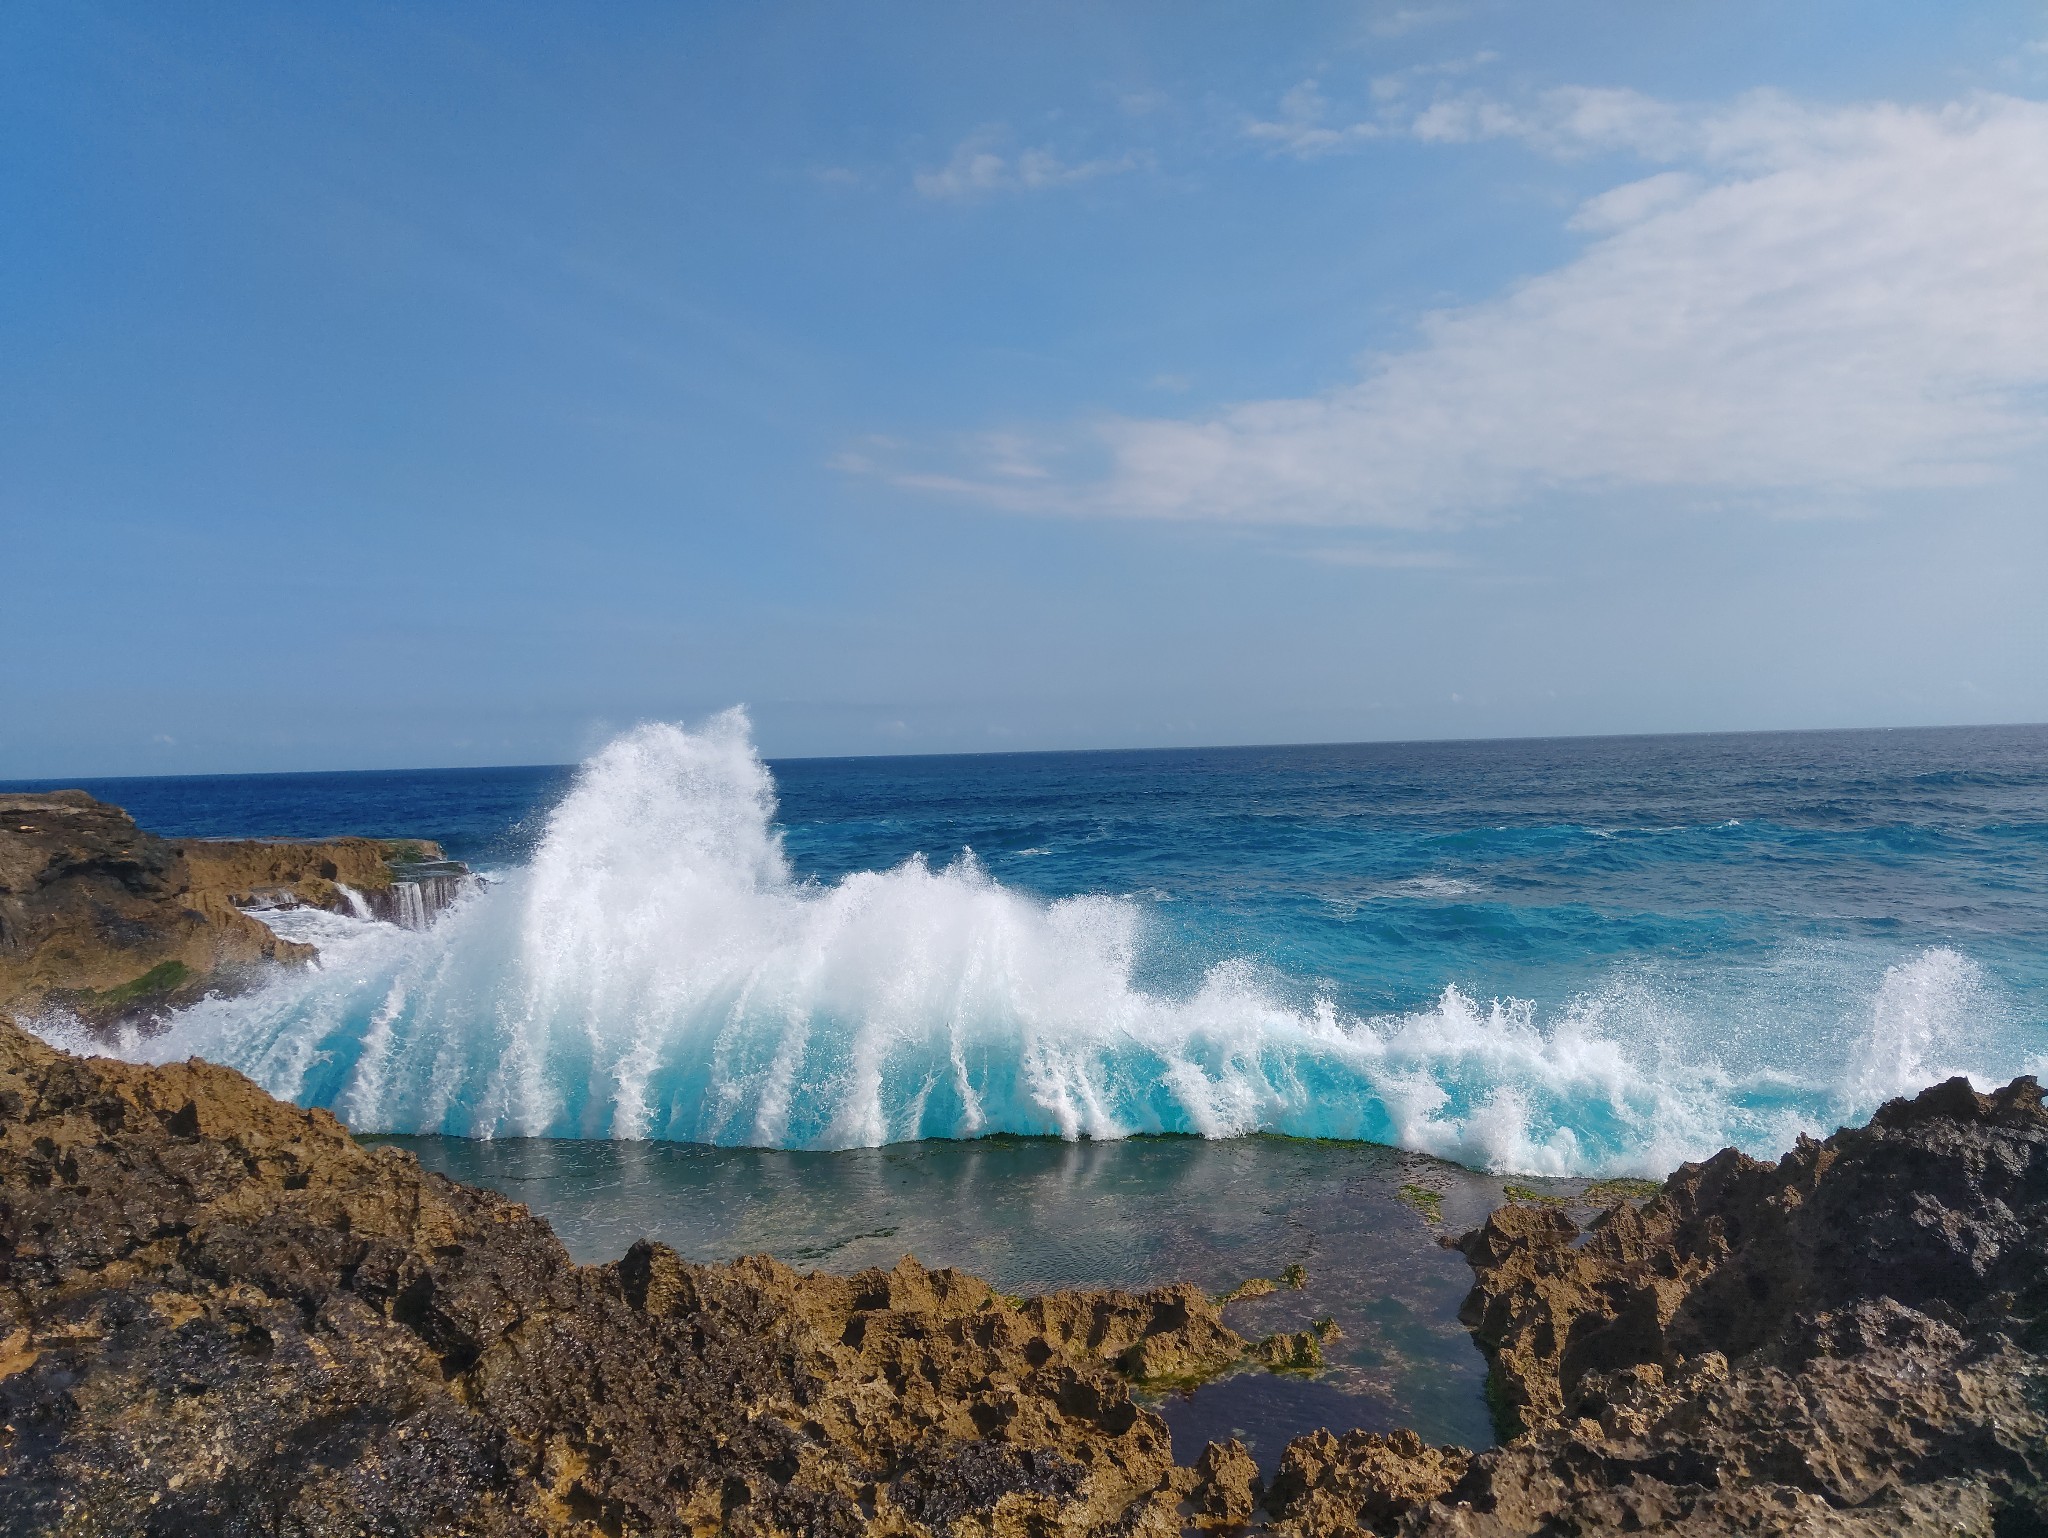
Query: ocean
point(837, 1009)
point(1559, 957)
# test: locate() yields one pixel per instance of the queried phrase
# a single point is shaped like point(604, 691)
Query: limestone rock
point(104, 920)
point(1849, 1341)
point(264, 873)
point(220, 1314)
point(1227, 1485)
point(1362, 1481)
point(113, 924)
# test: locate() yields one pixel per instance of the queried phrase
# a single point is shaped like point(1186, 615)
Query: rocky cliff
point(110, 923)
point(220, 1314)
point(104, 920)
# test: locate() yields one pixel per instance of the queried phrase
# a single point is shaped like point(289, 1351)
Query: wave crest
point(657, 971)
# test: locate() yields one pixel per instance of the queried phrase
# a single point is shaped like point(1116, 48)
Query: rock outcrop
point(104, 920)
point(220, 1314)
point(1850, 1341)
point(110, 923)
point(276, 873)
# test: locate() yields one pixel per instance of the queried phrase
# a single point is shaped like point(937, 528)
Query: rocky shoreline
point(221, 1314)
point(112, 925)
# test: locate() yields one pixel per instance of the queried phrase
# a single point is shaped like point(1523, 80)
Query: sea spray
point(659, 971)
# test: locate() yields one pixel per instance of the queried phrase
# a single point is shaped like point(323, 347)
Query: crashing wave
point(658, 971)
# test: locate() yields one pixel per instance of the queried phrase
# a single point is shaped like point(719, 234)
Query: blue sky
point(389, 386)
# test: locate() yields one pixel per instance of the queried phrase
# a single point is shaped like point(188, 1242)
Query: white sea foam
point(658, 972)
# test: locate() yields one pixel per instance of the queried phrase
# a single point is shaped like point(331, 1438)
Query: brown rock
point(112, 924)
point(218, 1313)
point(1227, 1485)
point(1361, 1481)
point(104, 920)
point(1846, 1342)
point(1940, 1204)
point(256, 873)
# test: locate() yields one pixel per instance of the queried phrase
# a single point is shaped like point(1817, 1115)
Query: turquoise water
point(1563, 957)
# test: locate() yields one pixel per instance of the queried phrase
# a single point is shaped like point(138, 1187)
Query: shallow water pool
point(1034, 1214)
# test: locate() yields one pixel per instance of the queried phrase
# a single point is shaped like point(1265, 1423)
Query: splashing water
point(658, 971)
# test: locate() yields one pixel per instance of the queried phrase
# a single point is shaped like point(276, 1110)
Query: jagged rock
point(1846, 1342)
point(1227, 1485)
point(220, 1314)
point(1940, 1203)
point(1361, 1481)
point(1294, 1351)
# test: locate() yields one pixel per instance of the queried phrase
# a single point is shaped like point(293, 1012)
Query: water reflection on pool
point(1032, 1214)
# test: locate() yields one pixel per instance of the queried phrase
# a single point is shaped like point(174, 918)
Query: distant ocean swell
point(657, 971)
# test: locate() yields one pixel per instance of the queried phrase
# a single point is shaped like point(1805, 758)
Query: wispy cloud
point(982, 165)
point(1397, 84)
point(1398, 21)
point(1805, 305)
point(1384, 557)
point(1303, 125)
point(1571, 120)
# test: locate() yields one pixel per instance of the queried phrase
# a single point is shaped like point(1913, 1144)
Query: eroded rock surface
point(110, 923)
point(320, 873)
point(1849, 1341)
point(104, 920)
point(220, 1314)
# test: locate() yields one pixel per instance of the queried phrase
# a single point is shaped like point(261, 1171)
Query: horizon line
point(22, 783)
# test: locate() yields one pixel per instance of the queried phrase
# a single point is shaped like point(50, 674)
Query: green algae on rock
point(1425, 1201)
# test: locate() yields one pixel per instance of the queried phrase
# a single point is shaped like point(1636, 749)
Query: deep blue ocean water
point(1567, 956)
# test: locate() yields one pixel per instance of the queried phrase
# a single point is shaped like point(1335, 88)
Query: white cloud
point(1391, 87)
point(1302, 126)
point(1569, 120)
point(980, 167)
point(1812, 305)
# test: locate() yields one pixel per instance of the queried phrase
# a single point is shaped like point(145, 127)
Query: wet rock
point(105, 921)
point(114, 925)
point(1939, 1204)
point(1361, 1481)
point(220, 1314)
point(386, 878)
point(1846, 1342)
point(1294, 1351)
